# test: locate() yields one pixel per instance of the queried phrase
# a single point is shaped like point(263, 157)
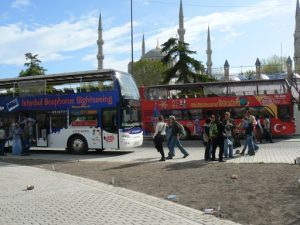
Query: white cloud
point(52, 42)
point(19, 4)
point(233, 35)
point(55, 40)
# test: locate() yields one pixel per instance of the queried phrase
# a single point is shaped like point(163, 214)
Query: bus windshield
point(131, 117)
point(128, 86)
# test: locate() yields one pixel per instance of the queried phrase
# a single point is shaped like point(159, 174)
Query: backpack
point(205, 137)
point(213, 131)
point(2, 134)
point(181, 129)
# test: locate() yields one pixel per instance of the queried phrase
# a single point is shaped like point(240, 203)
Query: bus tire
point(77, 144)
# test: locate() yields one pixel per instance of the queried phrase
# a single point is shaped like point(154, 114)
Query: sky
point(64, 33)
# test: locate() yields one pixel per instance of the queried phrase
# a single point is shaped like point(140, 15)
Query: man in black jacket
point(218, 140)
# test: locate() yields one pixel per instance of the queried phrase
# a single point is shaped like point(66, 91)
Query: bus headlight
point(125, 136)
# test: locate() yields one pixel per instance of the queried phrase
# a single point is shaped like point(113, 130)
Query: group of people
point(21, 134)
point(171, 134)
point(216, 133)
point(224, 134)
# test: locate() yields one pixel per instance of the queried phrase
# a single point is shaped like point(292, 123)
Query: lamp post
point(131, 37)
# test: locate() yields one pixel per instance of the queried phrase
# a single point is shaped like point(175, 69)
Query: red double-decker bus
point(192, 103)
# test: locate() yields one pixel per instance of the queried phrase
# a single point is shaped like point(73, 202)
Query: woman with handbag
point(159, 136)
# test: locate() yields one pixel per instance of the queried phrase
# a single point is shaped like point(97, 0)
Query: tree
point(183, 67)
point(274, 64)
point(148, 72)
point(249, 74)
point(33, 67)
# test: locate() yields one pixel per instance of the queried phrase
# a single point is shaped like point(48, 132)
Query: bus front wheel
point(77, 145)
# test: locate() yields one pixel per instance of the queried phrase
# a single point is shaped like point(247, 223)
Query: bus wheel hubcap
point(78, 144)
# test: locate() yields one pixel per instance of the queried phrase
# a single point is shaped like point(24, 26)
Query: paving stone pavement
point(64, 199)
point(282, 151)
point(60, 199)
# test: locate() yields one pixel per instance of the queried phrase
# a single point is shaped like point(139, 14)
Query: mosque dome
point(154, 54)
point(264, 76)
point(231, 78)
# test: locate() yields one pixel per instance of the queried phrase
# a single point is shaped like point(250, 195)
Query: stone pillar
point(289, 68)
point(258, 69)
point(226, 71)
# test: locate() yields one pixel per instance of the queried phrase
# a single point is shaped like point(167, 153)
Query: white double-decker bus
point(76, 111)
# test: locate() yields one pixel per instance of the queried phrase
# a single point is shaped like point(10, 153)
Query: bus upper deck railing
point(216, 89)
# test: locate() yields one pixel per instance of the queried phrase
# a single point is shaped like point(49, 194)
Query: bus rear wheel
point(77, 145)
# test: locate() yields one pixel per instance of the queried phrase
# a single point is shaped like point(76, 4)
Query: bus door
point(110, 131)
point(41, 129)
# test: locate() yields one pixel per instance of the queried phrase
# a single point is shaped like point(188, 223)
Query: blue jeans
point(2, 142)
point(250, 145)
point(175, 142)
point(208, 146)
point(26, 145)
point(228, 147)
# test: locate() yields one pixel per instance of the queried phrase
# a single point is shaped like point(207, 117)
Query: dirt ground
point(262, 194)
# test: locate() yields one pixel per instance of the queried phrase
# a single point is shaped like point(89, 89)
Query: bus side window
point(284, 113)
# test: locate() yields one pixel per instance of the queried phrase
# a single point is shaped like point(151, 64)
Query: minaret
point(208, 52)
point(289, 68)
point(143, 47)
point(100, 43)
point(226, 71)
point(297, 40)
point(258, 69)
point(181, 30)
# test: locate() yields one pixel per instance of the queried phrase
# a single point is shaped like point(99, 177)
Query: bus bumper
point(131, 141)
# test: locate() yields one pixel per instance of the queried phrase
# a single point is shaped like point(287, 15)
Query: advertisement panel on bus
point(92, 100)
point(192, 112)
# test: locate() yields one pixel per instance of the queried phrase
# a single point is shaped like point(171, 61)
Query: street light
point(131, 38)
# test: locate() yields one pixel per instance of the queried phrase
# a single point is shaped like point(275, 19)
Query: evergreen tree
point(183, 67)
point(33, 66)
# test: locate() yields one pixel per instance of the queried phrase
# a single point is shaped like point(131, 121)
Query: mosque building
point(156, 54)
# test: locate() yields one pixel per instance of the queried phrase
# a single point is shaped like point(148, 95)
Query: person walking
point(259, 130)
point(249, 138)
point(206, 141)
point(2, 139)
point(254, 123)
point(217, 136)
point(175, 139)
point(159, 136)
point(244, 124)
point(229, 126)
point(267, 129)
point(27, 137)
point(17, 139)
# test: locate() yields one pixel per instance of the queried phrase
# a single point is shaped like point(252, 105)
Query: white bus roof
point(60, 77)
